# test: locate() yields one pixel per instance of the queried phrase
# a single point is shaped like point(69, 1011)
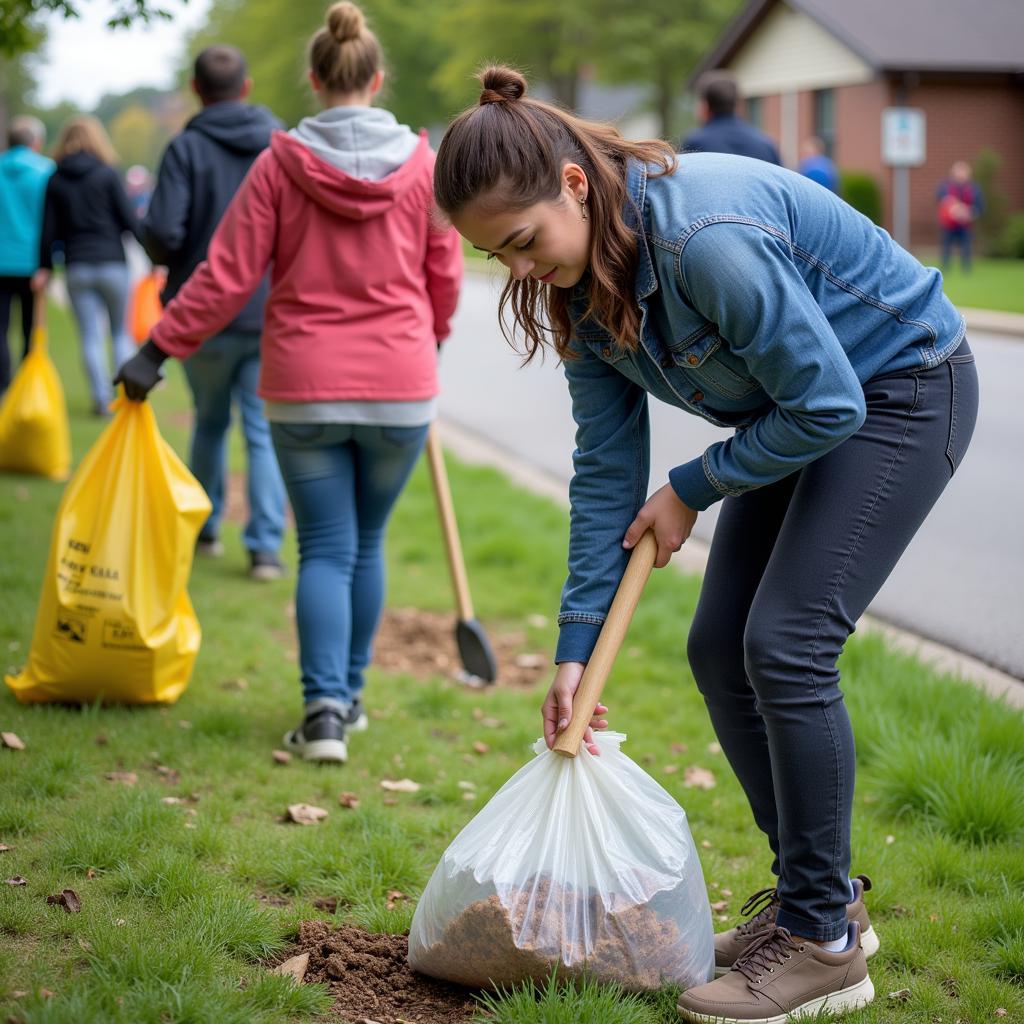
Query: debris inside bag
point(526, 932)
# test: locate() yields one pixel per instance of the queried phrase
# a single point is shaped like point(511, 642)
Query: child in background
point(362, 289)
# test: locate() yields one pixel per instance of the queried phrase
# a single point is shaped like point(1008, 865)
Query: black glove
point(142, 372)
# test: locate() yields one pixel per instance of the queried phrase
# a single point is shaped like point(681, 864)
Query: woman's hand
point(669, 517)
point(557, 708)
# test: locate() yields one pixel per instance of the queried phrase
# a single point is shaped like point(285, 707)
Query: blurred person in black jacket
point(199, 174)
point(86, 211)
point(724, 131)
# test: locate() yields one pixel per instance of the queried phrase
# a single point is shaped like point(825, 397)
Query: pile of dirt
point(370, 980)
point(422, 644)
point(524, 933)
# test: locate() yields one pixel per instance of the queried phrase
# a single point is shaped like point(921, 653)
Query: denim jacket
point(766, 303)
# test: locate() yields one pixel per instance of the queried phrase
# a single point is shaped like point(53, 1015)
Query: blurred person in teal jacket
point(23, 177)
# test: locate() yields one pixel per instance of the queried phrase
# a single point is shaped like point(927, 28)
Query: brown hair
point(345, 54)
point(720, 90)
point(513, 149)
point(84, 134)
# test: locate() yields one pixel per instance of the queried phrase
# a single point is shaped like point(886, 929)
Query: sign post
point(903, 147)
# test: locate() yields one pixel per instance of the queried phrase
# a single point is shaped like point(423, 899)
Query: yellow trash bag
point(115, 622)
point(34, 433)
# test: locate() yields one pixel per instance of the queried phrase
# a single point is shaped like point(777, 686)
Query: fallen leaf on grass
point(171, 800)
point(719, 905)
point(679, 748)
point(727, 892)
point(281, 756)
point(349, 800)
point(68, 899)
point(714, 748)
point(389, 801)
point(400, 785)
point(479, 747)
point(696, 777)
point(466, 784)
point(537, 621)
point(1000, 1012)
point(395, 896)
point(169, 775)
point(670, 769)
point(706, 844)
point(305, 814)
point(294, 966)
point(184, 724)
point(4, 847)
point(16, 880)
point(101, 740)
point(12, 740)
point(91, 873)
point(529, 660)
point(125, 778)
point(901, 995)
point(889, 840)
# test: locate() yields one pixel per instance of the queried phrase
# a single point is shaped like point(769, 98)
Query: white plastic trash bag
point(582, 864)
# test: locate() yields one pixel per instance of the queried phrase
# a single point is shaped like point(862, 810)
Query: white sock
point(836, 945)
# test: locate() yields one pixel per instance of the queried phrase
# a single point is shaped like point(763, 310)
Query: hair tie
point(492, 96)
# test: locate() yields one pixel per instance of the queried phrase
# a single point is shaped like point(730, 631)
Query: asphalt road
point(960, 582)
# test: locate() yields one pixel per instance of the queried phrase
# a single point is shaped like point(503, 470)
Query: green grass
point(180, 903)
point(991, 284)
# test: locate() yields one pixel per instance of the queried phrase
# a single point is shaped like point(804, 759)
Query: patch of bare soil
point(422, 644)
point(370, 981)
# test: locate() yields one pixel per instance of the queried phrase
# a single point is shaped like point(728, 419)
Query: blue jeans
point(98, 291)
point(224, 369)
point(956, 238)
point(343, 481)
point(792, 568)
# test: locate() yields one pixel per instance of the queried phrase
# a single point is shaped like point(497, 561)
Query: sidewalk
point(997, 322)
point(692, 558)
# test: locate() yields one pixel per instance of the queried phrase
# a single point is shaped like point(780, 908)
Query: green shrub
point(861, 191)
point(993, 219)
point(1011, 241)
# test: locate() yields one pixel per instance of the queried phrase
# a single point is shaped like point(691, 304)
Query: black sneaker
point(321, 737)
point(265, 566)
point(355, 719)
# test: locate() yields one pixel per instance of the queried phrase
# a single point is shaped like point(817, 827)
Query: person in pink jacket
point(362, 288)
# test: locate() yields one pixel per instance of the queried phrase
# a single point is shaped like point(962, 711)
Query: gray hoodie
point(364, 142)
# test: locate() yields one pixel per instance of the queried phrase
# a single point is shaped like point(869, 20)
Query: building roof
point(906, 35)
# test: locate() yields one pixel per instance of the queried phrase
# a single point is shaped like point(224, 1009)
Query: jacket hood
point(364, 142)
point(79, 164)
point(22, 162)
point(343, 193)
point(237, 126)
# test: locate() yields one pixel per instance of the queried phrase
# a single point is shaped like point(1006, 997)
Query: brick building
point(829, 68)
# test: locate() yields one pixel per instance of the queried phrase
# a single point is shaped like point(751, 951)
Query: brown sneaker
point(764, 905)
point(780, 977)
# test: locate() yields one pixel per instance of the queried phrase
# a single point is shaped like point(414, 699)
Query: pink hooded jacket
point(362, 284)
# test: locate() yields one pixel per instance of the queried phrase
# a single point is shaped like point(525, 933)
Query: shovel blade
point(475, 650)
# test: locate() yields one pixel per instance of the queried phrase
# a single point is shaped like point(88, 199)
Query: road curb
point(993, 320)
point(692, 558)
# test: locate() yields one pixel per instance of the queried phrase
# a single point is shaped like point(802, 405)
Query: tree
point(549, 41)
point(659, 42)
point(274, 34)
point(19, 19)
point(137, 136)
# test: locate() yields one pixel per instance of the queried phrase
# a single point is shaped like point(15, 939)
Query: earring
point(583, 206)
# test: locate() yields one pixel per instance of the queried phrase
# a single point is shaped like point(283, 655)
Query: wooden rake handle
point(613, 632)
point(449, 527)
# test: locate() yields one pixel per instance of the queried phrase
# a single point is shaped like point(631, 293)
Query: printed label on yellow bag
point(115, 622)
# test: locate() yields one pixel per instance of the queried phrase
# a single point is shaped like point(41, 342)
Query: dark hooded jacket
point(86, 210)
point(200, 172)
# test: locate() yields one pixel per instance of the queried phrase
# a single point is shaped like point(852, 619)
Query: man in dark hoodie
point(198, 177)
